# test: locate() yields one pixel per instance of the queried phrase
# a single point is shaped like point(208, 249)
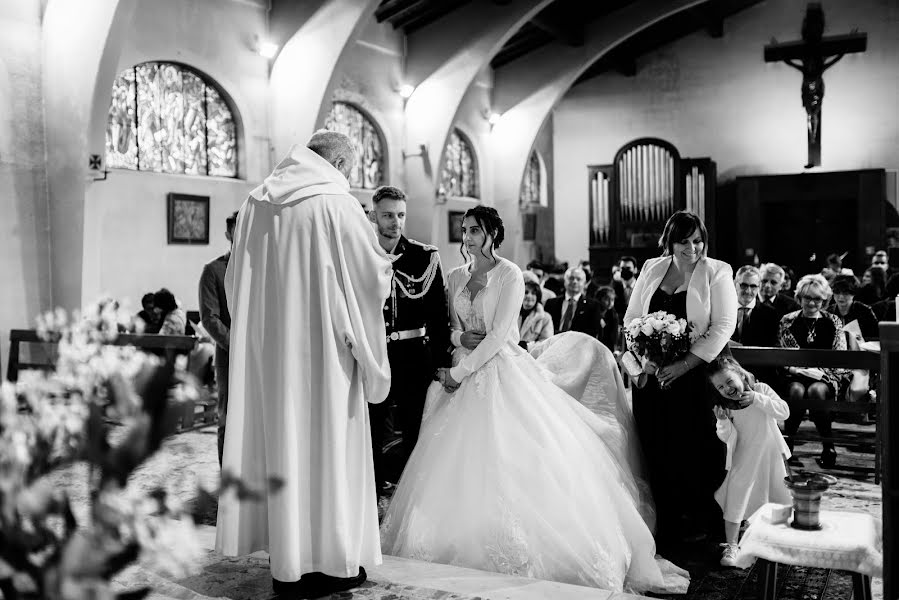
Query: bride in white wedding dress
point(510, 473)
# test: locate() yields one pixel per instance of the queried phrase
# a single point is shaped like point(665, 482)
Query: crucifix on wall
point(813, 55)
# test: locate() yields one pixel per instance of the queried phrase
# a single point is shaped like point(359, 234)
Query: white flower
point(673, 328)
point(647, 329)
point(658, 324)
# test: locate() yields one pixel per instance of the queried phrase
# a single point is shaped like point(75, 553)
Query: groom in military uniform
point(417, 332)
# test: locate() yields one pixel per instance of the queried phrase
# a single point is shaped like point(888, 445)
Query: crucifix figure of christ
point(813, 55)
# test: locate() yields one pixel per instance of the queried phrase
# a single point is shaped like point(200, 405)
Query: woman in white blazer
point(673, 412)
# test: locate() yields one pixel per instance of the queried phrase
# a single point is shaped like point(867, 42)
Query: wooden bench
point(41, 355)
point(754, 356)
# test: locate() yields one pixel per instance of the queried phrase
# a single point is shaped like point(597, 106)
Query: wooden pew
point(42, 355)
point(754, 356)
point(889, 436)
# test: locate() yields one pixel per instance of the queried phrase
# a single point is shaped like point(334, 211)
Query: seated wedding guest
point(885, 310)
point(873, 286)
point(574, 311)
point(172, 318)
point(757, 323)
point(881, 259)
point(539, 271)
point(592, 284)
point(553, 285)
point(534, 323)
point(834, 267)
point(786, 287)
point(845, 288)
point(770, 292)
point(623, 282)
point(813, 328)
point(148, 314)
point(605, 295)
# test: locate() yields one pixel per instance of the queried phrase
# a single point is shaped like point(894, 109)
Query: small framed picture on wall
point(188, 219)
point(455, 225)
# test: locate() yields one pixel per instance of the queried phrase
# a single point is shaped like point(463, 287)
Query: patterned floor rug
point(794, 583)
point(250, 579)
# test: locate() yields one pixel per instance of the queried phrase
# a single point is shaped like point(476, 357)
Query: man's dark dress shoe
point(316, 585)
point(287, 589)
point(827, 460)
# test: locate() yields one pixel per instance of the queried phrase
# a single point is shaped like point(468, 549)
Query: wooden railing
point(887, 428)
point(889, 439)
point(42, 356)
point(177, 344)
point(753, 357)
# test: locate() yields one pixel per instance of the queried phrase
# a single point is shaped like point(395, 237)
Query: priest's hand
point(470, 339)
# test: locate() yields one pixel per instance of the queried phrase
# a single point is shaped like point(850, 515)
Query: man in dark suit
point(757, 323)
point(574, 311)
point(216, 320)
point(623, 283)
point(769, 292)
point(418, 334)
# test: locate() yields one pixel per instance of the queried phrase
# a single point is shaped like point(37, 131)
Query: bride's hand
point(470, 339)
point(446, 380)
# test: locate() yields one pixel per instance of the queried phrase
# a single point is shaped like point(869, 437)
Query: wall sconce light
point(492, 117)
point(265, 48)
point(422, 151)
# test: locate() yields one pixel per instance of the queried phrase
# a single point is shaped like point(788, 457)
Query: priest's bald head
point(336, 148)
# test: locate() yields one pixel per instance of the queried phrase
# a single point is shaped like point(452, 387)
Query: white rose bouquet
point(657, 339)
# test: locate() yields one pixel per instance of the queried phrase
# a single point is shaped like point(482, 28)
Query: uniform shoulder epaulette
point(427, 247)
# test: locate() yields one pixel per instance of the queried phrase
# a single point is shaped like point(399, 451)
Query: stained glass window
point(459, 176)
point(349, 120)
point(531, 186)
point(166, 118)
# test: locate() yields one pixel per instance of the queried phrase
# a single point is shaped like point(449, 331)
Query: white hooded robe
point(306, 285)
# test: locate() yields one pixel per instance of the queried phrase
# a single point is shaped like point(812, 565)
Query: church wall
point(543, 248)
point(471, 121)
point(24, 249)
point(127, 214)
point(125, 249)
point(368, 76)
point(718, 98)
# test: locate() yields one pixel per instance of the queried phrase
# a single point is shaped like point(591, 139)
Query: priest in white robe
point(306, 285)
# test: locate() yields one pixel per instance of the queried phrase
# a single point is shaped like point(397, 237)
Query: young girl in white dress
point(511, 474)
point(747, 411)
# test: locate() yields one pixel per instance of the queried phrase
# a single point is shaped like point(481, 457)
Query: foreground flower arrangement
point(110, 407)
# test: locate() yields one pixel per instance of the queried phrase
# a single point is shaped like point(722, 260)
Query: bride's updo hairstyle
point(491, 223)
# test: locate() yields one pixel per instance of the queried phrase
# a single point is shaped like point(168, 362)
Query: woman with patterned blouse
point(810, 327)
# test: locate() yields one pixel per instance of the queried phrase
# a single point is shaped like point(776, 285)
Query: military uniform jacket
point(418, 298)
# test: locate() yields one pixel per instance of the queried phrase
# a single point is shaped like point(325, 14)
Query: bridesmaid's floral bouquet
point(657, 339)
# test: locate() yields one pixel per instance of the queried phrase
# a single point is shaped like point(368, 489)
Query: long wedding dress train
point(513, 475)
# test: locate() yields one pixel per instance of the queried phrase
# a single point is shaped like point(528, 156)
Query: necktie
point(569, 313)
point(742, 313)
